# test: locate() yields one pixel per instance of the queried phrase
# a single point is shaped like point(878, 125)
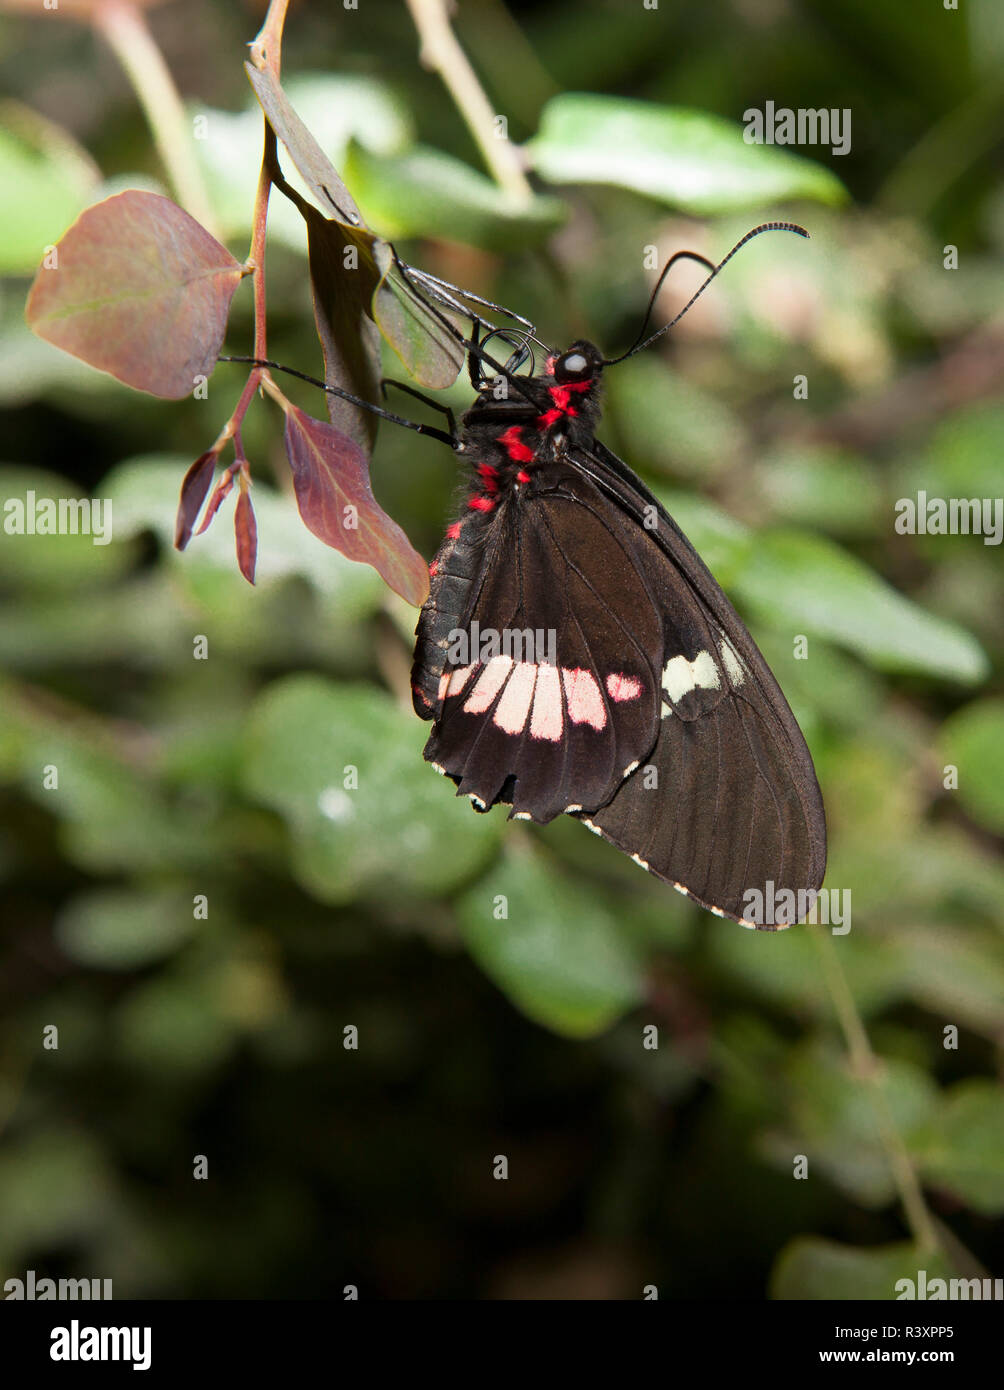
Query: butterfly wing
point(654, 718)
point(551, 716)
point(727, 801)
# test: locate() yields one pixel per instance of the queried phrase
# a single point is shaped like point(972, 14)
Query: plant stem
point(867, 1066)
point(126, 32)
point(441, 52)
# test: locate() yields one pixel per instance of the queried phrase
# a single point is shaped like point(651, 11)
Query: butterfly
point(577, 657)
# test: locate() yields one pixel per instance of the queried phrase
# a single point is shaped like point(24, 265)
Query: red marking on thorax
point(453, 530)
point(482, 504)
point(522, 476)
point(514, 446)
point(433, 567)
point(489, 476)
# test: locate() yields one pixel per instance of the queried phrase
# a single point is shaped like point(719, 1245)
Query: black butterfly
point(576, 656)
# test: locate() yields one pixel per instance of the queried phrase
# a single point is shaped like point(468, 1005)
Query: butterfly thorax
point(516, 430)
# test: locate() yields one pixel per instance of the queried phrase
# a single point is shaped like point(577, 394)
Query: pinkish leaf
point(246, 532)
point(139, 289)
point(193, 493)
point(223, 488)
point(333, 492)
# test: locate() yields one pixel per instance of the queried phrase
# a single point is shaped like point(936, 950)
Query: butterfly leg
point(426, 400)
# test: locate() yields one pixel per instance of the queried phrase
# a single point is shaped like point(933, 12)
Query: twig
point(441, 52)
point(869, 1069)
point(126, 32)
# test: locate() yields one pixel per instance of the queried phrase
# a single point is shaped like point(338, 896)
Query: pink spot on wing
point(453, 680)
point(514, 706)
point(585, 700)
point(620, 687)
point(546, 721)
point(489, 683)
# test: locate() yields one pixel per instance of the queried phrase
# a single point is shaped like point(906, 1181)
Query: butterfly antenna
point(641, 342)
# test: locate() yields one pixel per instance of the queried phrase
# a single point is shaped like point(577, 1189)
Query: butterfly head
point(581, 362)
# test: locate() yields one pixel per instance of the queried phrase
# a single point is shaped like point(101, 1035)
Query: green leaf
point(963, 457)
point(123, 929)
point(818, 486)
point(784, 967)
point(705, 437)
point(958, 975)
point(429, 351)
point(688, 159)
point(559, 954)
point(57, 1190)
point(67, 563)
point(425, 193)
point(305, 737)
point(835, 1122)
point(144, 493)
point(49, 180)
point(973, 741)
point(113, 815)
point(313, 165)
point(818, 588)
point(962, 1149)
point(336, 107)
point(174, 1024)
point(811, 1268)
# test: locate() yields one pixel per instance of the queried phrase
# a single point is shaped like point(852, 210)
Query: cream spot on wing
point(681, 676)
point(638, 860)
point(733, 666)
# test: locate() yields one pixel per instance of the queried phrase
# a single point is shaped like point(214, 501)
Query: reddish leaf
point(350, 340)
point(331, 478)
point(193, 494)
point(222, 491)
point(140, 290)
point(246, 531)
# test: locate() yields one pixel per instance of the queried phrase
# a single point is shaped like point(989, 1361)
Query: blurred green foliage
point(205, 902)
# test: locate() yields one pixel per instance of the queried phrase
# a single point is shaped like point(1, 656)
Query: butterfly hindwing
point(551, 718)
